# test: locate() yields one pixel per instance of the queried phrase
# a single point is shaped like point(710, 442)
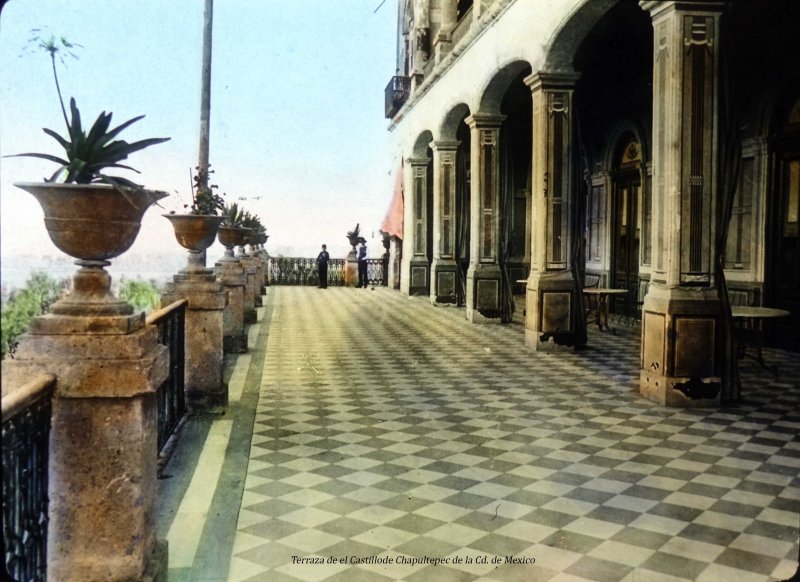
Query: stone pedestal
point(258, 277)
point(551, 301)
point(102, 468)
point(483, 293)
point(351, 269)
point(445, 282)
point(231, 274)
point(680, 363)
point(203, 383)
point(395, 256)
point(249, 288)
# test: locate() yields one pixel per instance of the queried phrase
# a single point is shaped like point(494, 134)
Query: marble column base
point(419, 276)
point(445, 282)
point(551, 299)
point(483, 293)
point(681, 347)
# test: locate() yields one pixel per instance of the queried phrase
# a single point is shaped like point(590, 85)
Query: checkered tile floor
point(388, 430)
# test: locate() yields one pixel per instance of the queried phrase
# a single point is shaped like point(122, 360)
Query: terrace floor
point(365, 425)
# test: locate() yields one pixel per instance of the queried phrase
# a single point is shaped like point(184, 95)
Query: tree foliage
point(40, 292)
point(142, 295)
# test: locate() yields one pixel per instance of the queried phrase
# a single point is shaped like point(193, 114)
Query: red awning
point(393, 221)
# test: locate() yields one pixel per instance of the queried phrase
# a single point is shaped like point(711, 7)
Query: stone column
point(483, 275)
point(552, 297)
point(395, 257)
point(258, 280)
point(443, 279)
point(249, 287)
point(443, 41)
point(419, 267)
point(681, 342)
point(231, 273)
point(102, 467)
point(203, 385)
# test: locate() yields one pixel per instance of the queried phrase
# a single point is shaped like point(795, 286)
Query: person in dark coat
point(362, 263)
point(322, 267)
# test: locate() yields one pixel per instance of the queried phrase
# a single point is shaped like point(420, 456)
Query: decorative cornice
point(552, 80)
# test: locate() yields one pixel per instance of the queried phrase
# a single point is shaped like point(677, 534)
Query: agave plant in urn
point(231, 233)
point(197, 229)
point(89, 215)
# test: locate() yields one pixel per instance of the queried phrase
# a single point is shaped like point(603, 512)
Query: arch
point(493, 93)
point(449, 127)
point(615, 139)
point(572, 31)
point(421, 145)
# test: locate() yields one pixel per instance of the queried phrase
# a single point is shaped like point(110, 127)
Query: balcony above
point(397, 92)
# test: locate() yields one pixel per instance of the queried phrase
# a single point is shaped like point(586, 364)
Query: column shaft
point(443, 278)
point(552, 297)
point(483, 276)
point(681, 343)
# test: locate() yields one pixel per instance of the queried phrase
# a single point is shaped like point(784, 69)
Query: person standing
point(362, 263)
point(322, 267)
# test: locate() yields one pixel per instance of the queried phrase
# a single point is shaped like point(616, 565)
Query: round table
point(601, 294)
point(752, 320)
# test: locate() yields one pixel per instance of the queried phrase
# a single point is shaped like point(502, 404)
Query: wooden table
point(601, 295)
point(752, 324)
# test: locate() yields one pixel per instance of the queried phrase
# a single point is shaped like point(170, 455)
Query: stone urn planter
point(195, 232)
point(230, 237)
point(91, 223)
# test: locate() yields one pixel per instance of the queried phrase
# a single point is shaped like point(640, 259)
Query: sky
point(298, 134)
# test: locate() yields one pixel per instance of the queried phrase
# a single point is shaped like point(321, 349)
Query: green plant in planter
point(87, 154)
point(233, 215)
point(205, 201)
point(252, 221)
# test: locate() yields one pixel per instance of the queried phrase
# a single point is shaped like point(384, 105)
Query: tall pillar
point(232, 275)
point(483, 276)
point(443, 268)
point(103, 452)
point(203, 383)
point(681, 342)
point(419, 266)
point(443, 41)
point(249, 286)
point(552, 297)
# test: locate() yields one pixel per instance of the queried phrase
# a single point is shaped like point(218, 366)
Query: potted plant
point(252, 225)
point(197, 229)
point(90, 215)
point(230, 233)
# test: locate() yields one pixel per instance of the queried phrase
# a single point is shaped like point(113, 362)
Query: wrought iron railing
point(26, 434)
point(378, 271)
point(303, 271)
point(396, 93)
point(170, 321)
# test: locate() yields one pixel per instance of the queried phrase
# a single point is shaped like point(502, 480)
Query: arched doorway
point(783, 251)
point(626, 224)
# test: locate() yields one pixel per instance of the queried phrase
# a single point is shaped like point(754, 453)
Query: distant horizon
point(298, 133)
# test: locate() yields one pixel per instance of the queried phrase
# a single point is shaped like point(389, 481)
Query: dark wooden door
point(625, 242)
point(784, 287)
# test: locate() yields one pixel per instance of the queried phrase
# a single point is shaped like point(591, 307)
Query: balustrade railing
point(26, 435)
point(463, 26)
point(170, 321)
point(303, 271)
point(378, 271)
